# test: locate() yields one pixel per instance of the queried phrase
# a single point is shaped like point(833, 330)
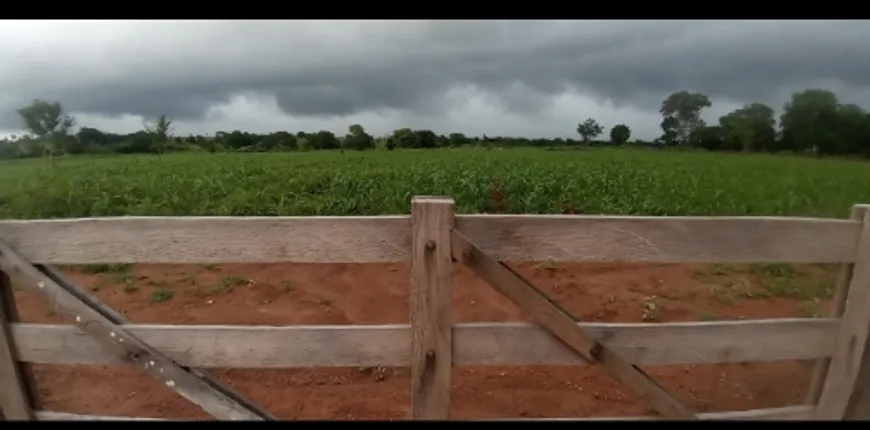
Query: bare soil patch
point(284, 294)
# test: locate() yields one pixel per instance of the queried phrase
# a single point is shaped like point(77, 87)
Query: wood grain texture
point(563, 326)
point(474, 344)
point(383, 239)
point(67, 416)
point(662, 239)
point(791, 413)
point(858, 407)
point(431, 306)
point(15, 394)
point(846, 361)
point(25, 369)
point(859, 402)
point(210, 239)
point(837, 306)
point(115, 340)
point(797, 412)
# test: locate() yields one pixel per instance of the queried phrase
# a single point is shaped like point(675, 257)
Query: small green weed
point(161, 295)
point(651, 308)
point(777, 270)
point(802, 288)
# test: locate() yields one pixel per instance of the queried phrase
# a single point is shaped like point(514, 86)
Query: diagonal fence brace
point(562, 325)
point(99, 325)
point(117, 318)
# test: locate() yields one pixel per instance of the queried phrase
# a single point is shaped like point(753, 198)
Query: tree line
point(812, 121)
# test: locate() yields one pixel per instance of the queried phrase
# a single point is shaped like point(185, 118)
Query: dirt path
point(282, 294)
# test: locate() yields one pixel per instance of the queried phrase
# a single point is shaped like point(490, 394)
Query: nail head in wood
point(430, 245)
point(595, 351)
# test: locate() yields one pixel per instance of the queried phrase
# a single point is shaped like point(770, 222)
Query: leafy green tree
point(809, 122)
point(853, 130)
point(358, 139)
point(669, 131)
point(711, 138)
point(458, 139)
point(89, 135)
point(685, 109)
point(750, 128)
point(426, 139)
point(285, 141)
point(160, 131)
point(47, 121)
point(620, 134)
point(324, 139)
point(236, 139)
point(404, 138)
point(589, 129)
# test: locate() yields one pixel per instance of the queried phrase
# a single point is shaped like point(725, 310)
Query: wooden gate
point(433, 239)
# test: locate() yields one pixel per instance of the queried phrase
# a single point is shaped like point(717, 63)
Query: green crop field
point(641, 182)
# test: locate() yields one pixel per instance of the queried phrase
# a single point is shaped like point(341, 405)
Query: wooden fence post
point(859, 401)
point(837, 305)
point(431, 316)
point(842, 383)
point(17, 390)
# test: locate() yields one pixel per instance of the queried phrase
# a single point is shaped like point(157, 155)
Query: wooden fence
point(433, 238)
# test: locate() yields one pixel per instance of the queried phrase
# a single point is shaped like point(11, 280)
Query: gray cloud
point(412, 69)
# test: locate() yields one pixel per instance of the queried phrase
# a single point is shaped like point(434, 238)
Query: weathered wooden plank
point(474, 344)
point(792, 413)
point(380, 239)
point(661, 239)
point(16, 397)
point(67, 416)
point(837, 305)
point(842, 375)
point(209, 239)
point(116, 340)
point(25, 369)
point(797, 412)
point(431, 316)
point(859, 402)
point(562, 325)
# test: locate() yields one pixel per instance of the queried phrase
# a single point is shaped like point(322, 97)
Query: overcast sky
point(509, 78)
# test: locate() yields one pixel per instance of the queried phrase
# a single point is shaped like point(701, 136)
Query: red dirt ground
point(283, 294)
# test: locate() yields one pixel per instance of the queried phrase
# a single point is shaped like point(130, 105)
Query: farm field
point(637, 182)
point(511, 181)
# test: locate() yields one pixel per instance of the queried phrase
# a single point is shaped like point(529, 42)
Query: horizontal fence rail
point(795, 413)
point(387, 239)
point(474, 344)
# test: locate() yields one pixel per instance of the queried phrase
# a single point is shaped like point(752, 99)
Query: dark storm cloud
point(341, 68)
